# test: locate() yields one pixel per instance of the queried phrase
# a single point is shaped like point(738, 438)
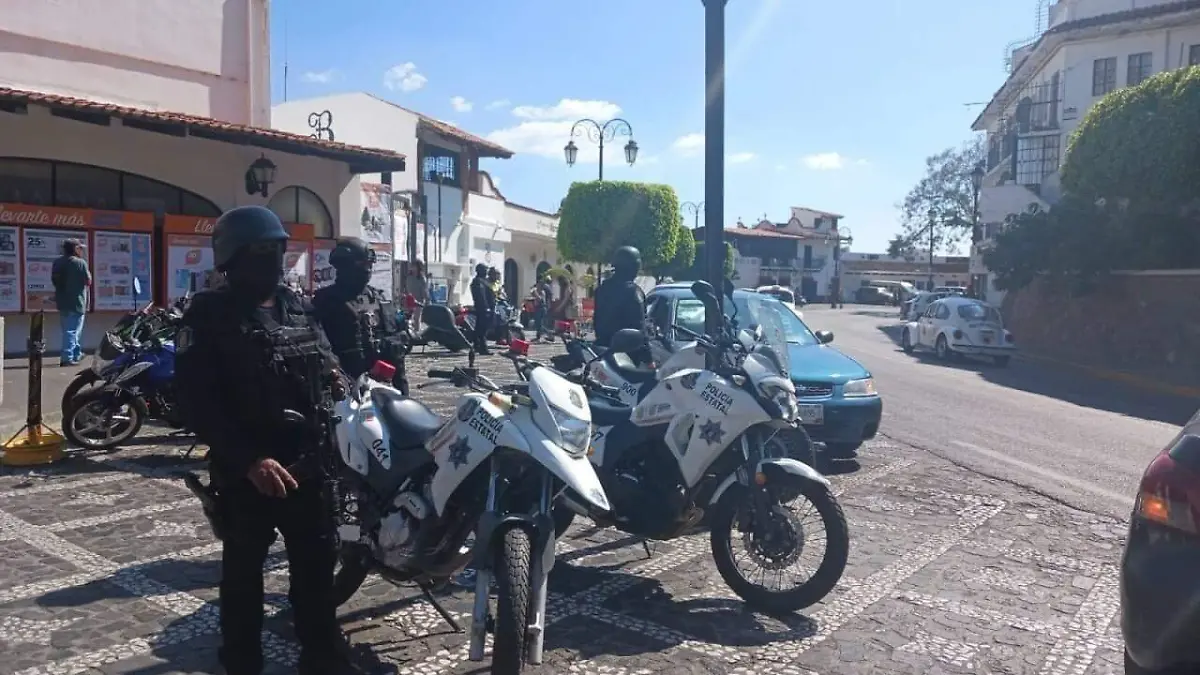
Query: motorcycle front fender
point(578, 474)
point(772, 468)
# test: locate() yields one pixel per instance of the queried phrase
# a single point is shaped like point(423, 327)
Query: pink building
point(131, 124)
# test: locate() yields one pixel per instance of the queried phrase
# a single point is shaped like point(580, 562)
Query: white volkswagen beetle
point(960, 326)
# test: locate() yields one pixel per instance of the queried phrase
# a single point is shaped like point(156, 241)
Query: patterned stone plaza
point(109, 568)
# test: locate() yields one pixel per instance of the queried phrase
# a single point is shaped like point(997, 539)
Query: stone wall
point(1146, 321)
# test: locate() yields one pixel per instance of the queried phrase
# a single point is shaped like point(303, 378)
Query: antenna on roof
point(285, 58)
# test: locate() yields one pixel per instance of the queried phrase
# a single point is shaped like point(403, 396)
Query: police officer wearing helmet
point(245, 353)
point(620, 303)
point(485, 307)
point(360, 321)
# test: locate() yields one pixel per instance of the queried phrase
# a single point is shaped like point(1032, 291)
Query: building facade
point(859, 269)
point(134, 143)
point(801, 253)
point(1084, 50)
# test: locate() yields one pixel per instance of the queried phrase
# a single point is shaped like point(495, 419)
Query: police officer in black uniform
point(246, 352)
point(360, 321)
point(485, 307)
point(619, 302)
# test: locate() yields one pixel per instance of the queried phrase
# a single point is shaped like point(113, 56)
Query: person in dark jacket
point(245, 353)
point(359, 320)
point(70, 276)
point(619, 302)
point(485, 308)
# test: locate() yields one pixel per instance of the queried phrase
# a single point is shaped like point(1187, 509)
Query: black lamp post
point(601, 134)
point(694, 208)
point(836, 300)
point(976, 184)
point(259, 176)
point(932, 220)
point(714, 149)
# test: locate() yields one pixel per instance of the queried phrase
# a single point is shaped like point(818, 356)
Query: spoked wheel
point(765, 557)
point(98, 421)
point(511, 569)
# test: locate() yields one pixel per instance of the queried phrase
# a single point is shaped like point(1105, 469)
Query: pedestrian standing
point(485, 308)
point(71, 278)
point(418, 287)
point(246, 352)
point(542, 295)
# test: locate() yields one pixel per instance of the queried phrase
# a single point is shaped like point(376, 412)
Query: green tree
point(945, 196)
point(697, 271)
point(600, 216)
point(900, 247)
point(681, 262)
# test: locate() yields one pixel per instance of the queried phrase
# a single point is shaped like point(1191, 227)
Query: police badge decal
point(467, 410)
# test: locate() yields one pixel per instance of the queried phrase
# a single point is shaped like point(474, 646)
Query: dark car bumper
point(1160, 596)
point(847, 420)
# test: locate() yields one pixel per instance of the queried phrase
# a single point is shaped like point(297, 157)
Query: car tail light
point(1169, 493)
point(520, 347)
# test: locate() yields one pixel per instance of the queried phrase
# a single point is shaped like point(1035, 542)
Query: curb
point(1130, 379)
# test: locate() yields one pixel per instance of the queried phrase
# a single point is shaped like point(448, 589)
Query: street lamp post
point(714, 149)
point(836, 299)
point(976, 231)
point(601, 134)
point(932, 220)
point(694, 208)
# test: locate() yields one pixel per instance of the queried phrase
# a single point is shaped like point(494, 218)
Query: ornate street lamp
point(932, 220)
point(976, 184)
point(600, 134)
point(259, 176)
point(694, 208)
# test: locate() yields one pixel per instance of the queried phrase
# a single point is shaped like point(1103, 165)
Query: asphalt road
point(1056, 430)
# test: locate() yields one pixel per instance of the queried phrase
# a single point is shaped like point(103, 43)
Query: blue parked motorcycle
point(135, 386)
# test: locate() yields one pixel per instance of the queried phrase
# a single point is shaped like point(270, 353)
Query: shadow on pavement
point(1067, 384)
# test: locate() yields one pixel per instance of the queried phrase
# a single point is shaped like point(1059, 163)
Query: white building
point(130, 125)
point(1088, 48)
point(800, 253)
point(460, 218)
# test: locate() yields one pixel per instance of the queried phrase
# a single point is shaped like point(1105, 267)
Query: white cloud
point(569, 109)
point(825, 161)
point(404, 77)
point(319, 77)
point(496, 105)
point(689, 145)
point(461, 104)
point(741, 157)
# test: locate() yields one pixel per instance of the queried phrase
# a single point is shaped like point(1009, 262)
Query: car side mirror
point(824, 336)
point(627, 340)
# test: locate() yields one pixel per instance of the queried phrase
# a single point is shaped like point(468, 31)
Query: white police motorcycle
point(423, 486)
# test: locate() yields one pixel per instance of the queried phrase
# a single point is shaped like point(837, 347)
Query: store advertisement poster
point(296, 265)
point(381, 273)
point(42, 248)
point(322, 272)
point(377, 213)
point(10, 270)
point(189, 257)
point(118, 258)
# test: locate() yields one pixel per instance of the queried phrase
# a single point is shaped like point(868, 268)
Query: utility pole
point(932, 220)
point(714, 147)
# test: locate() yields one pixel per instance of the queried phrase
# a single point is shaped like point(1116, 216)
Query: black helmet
point(480, 269)
point(351, 252)
point(493, 272)
point(627, 259)
point(242, 226)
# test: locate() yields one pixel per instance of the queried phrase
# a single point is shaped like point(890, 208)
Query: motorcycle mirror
point(702, 288)
point(137, 288)
point(293, 417)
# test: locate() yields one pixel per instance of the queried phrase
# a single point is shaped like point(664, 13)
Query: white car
point(784, 295)
point(958, 326)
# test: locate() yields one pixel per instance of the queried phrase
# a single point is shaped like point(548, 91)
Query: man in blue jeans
point(71, 278)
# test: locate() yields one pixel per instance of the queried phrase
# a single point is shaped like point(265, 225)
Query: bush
point(600, 216)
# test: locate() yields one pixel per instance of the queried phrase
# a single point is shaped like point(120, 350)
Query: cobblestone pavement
point(108, 568)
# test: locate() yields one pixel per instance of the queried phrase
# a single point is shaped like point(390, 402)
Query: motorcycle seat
point(607, 412)
point(408, 421)
point(629, 371)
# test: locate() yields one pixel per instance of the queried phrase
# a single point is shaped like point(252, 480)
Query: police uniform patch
point(183, 339)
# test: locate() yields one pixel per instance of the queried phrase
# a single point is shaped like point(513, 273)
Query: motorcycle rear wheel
point(101, 403)
point(819, 585)
point(511, 566)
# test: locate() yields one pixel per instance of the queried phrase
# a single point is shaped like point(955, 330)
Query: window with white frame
point(1037, 157)
point(1140, 68)
point(1104, 76)
point(1194, 55)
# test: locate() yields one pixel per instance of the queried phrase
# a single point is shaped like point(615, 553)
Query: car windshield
point(689, 313)
point(976, 311)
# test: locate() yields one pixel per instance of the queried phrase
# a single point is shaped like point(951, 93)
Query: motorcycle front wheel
point(512, 564)
point(99, 420)
point(777, 540)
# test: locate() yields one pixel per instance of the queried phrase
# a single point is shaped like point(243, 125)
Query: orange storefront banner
point(91, 219)
point(188, 225)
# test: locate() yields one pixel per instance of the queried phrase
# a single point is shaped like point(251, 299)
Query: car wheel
point(1001, 361)
point(906, 341)
point(942, 348)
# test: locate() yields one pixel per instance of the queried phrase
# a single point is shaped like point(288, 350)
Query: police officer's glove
point(271, 479)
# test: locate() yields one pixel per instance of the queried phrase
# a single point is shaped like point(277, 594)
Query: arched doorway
point(295, 204)
point(512, 283)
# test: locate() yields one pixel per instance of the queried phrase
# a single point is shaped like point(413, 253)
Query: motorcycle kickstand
point(646, 546)
point(427, 591)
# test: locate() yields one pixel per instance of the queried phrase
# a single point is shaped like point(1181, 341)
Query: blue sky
point(830, 105)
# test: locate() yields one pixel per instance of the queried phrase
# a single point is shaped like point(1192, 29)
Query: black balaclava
point(256, 271)
point(353, 278)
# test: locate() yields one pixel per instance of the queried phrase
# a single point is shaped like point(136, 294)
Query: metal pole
point(930, 254)
point(714, 143)
point(439, 203)
point(602, 152)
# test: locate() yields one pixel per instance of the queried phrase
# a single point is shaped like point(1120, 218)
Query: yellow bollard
point(35, 443)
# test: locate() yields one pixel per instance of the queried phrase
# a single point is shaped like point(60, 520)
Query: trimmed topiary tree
point(600, 216)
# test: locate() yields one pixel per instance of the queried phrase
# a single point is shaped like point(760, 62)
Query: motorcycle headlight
point(859, 388)
point(783, 396)
point(574, 434)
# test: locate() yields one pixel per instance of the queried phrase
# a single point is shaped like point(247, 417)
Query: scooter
point(699, 446)
point(424, 485)
point(440, 328)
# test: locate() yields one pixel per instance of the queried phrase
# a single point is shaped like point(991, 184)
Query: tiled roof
point(489, 148)
point(360, 159)
point(753, 232)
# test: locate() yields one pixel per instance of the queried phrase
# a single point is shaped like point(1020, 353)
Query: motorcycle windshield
point(773, 343)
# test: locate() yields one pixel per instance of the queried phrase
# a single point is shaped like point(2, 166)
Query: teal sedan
point(839, 405)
